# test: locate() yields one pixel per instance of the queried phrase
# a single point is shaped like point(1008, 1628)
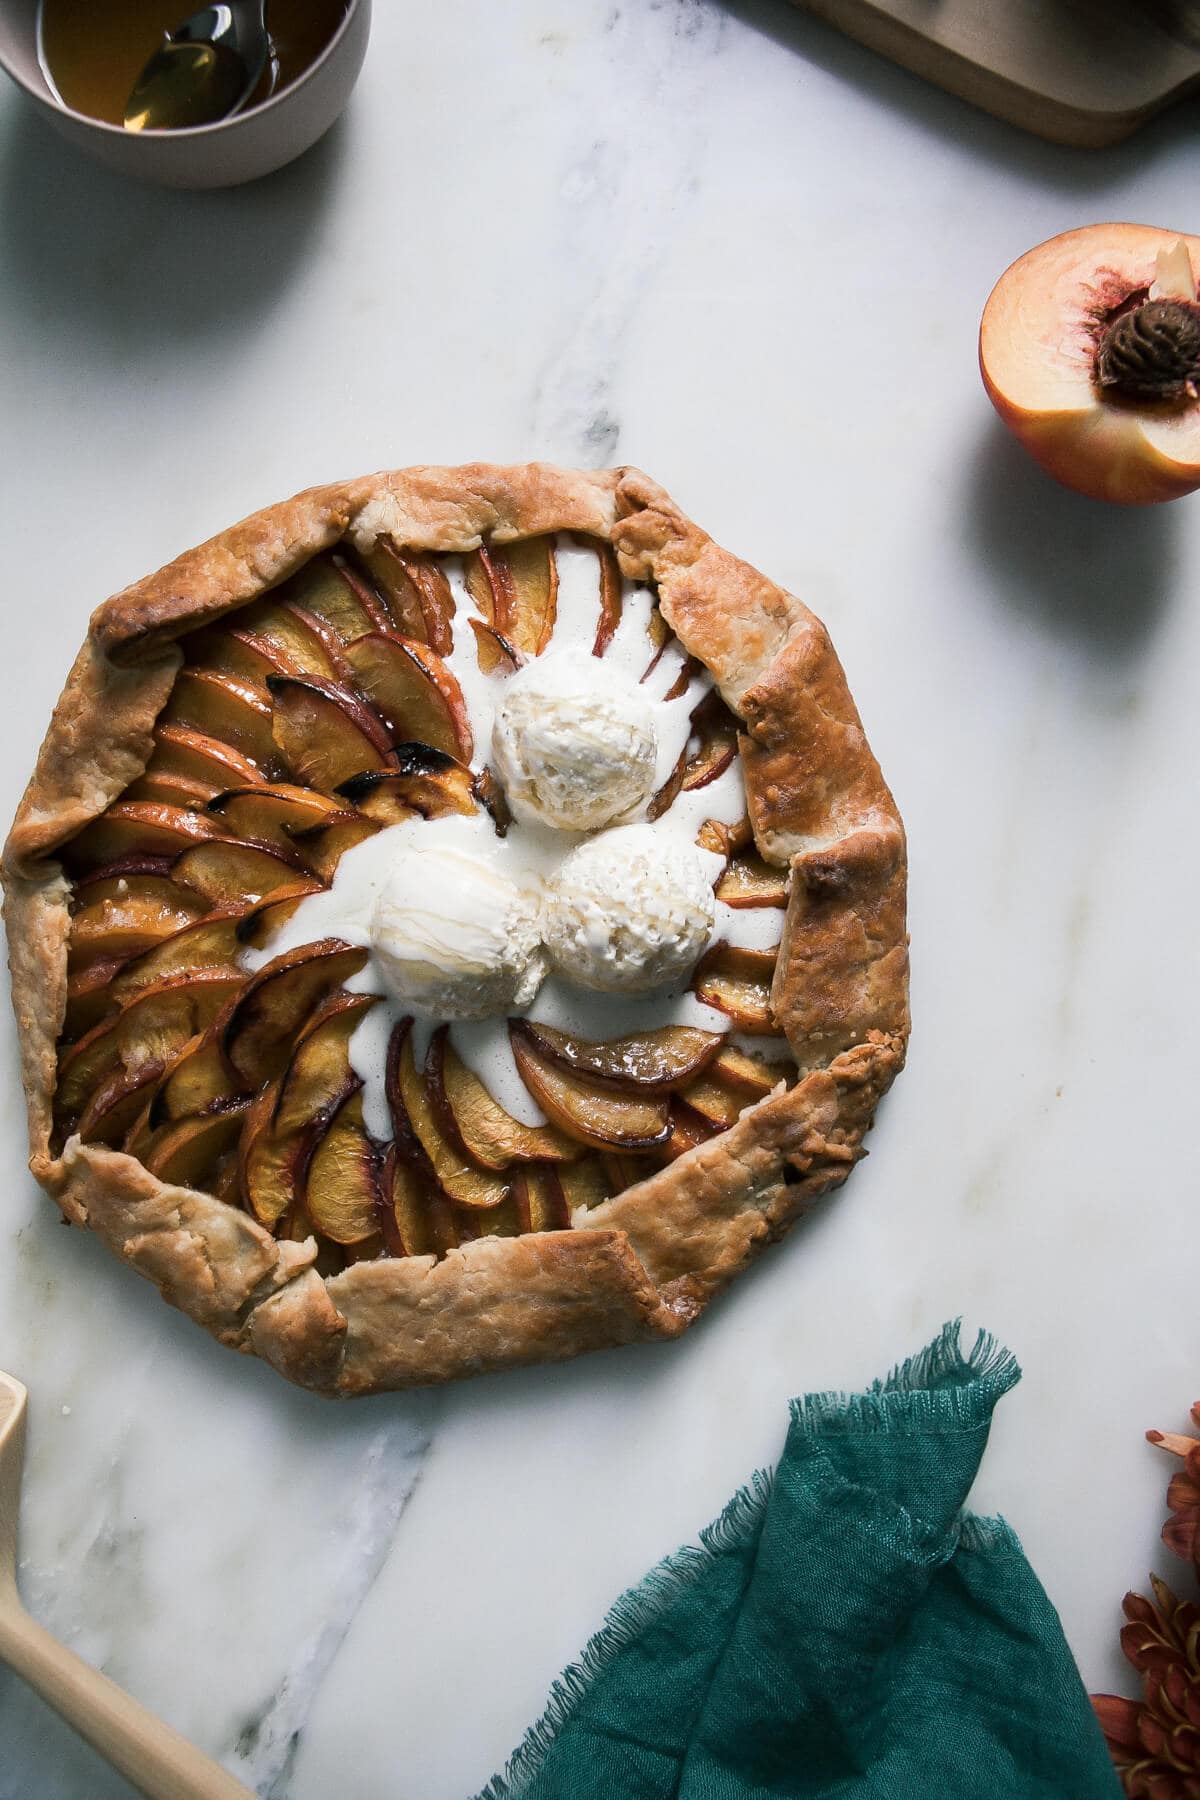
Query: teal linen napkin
point(843, 1629)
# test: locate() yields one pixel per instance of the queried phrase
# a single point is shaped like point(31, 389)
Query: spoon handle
point(160, 1764)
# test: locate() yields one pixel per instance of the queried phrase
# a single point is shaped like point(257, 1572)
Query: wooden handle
point(160, 1763)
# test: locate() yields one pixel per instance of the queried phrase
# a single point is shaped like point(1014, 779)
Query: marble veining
point(721, 242)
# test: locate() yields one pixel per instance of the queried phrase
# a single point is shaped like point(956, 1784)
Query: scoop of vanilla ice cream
point(629, 911)
point(574, 742)
point(454, 937)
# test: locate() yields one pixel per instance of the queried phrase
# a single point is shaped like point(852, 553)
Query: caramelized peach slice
point(531, 584)
point(661, 1058)
point(725, 840)
point(1090, 353)
point(324, 733)
point(158, 1020)
point(258, 926)
point(276, 1002)
point(271, 814)
point(610, 599)
point(467, 1113)
point(459, 1178)
point(323, 589)
point(227, 650)
point(426, 781)
point(211, 943)
point(89, 996)
point(495, 654)
point(116, 1103)
point(196, 1080)
point(200, 760)
point(341, 1186)
point(413, 692)
point(299, 643)
point(590, 1111)
point(187, 1151)
point(749, 881)
point(227, 872)
point(324, 846)
point(492, 798)
point(222, 707)
point(136, 828)
point(269, 1165)
point(423, 1219)
point(82, 1068)
point(541, 1204)
point(730, 1083)
point(489, 583)
point(688, 1129)
point(584, 1183)
point(168, 787)
point(125, 915)
point(416, 592)
point(738, 982)
point(319, 1076)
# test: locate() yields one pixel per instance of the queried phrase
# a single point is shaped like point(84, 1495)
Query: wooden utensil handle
point(160, 1763)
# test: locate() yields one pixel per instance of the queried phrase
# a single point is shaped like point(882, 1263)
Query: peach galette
point(456, 921)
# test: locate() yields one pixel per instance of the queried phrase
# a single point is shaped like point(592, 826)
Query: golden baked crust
point(643, 1264)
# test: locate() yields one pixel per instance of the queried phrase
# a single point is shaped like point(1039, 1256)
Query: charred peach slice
point(1090, 352)
point(426, 782)
point(271, 814)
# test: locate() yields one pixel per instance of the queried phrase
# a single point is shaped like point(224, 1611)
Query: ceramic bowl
point(242, 148)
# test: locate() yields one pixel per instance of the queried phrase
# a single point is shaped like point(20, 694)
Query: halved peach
point(541, 1204)
point(341, 1184)
point(1090, 352)
point(323, 846)
point(229, 872)
point(738, 982)
point(324, 733)
point(179, 749)
point(426, 781)
point(136, 828)
point(271, 814)
point(414, 693)
point(463, 1181)
point(222, 707)
point(275, 1003)
point(749, 881)
point(486, 1132)
point(661, 1058)
point(494, 653)
point(591, 1111)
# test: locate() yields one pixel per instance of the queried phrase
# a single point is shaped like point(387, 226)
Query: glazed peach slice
point(268, 1166)
point(324, 733)
point(661, 1058)
point(158, 1020)
point(122, 915)
point(688, 1128)
point(460, 1179)
point(258, 925)
point(271, 814)
point(261, 1029)
point(425, 782)
point(187, 1151)
point(749, 881)
point(341, 1184)
point(299, 643)
point(325, 590)
point(413, 692)
point(323, 846)
point(225, 708)
point(540, 1202)
point(199, 760)
point(136, 828)
point(116, 1103)
point(1090, 352)
point(495, 653)
point(593, 1112)
point(416, 593)
point(731, 1082)
point(485, 1131)
point(197, 1079)
point(515, 587)
point(422, 1221)
point(584, 1183)
point(230, 872)
point(738, 982)
point(319, 1076)
point(89, 996)
point(211, 943)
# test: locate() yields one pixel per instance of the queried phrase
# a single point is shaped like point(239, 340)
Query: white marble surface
point(717, 241)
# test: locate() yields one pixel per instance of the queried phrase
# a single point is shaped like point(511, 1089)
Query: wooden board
point(1079, 72)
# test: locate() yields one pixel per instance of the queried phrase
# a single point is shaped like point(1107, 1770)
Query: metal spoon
point(206, 69)
point(158, 1762)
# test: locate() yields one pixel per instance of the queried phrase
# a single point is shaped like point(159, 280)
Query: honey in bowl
point(93, 54)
